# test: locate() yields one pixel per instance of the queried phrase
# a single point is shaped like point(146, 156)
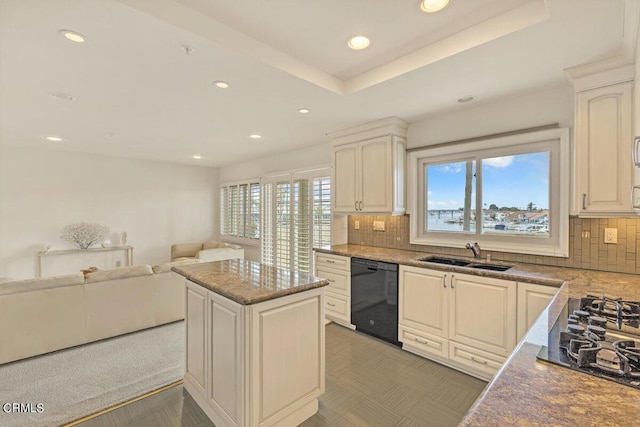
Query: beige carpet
point(73, 383)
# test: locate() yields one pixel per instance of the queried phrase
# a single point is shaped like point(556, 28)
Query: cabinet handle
point(330, 280)
point(331, 304)
point(330, 261)
point(360, 205)
point(634, 205)
point(444, 281)
point(584, 201)
point(355, 204)
point(452, 279)
point(482, 362)
point(421, 341)
point(636, 143)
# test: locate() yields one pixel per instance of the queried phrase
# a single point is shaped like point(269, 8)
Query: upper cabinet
point(604, 175)
point(369, 168)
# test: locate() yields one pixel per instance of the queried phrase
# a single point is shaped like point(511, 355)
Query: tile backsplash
point(584, 252)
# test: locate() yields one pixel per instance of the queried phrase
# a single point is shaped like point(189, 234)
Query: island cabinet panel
point(257, 365)
point(290, 368)
point(225, 350)
point(196, 319)
point(483, 313)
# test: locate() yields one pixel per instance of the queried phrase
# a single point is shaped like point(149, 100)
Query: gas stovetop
point(598, 336)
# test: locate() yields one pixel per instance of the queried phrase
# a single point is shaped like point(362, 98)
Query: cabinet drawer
point(423, 342)
point(486, 364)
point(337, 306)
point(339, 281)
point(333, 261)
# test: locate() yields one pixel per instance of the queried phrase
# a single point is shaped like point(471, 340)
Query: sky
point(507, 181)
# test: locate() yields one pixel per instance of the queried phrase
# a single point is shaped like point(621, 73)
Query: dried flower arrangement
point(84, 235)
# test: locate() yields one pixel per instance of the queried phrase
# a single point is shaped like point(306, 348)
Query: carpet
point(76, 382)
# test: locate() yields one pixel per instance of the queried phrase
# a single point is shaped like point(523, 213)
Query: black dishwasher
point(374, 298)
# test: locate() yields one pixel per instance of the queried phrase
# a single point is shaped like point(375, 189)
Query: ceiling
point(138, 93)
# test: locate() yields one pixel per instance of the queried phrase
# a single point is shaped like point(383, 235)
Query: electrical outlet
point(611, 235)
point(356, 225)
point(378, 225)
point(586, 234)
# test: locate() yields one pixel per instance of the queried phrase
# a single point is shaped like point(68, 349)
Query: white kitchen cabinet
point(337, 270)
point(465, 321)
point(369, 168)
point(604, 175)
point(532, 300)
point(255, 365)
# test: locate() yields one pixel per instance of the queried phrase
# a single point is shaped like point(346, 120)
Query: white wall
point(540, 108)
point(157, 204)
point(309, 157)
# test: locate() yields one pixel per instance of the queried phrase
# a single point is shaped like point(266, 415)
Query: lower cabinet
point(255, 365)
point(532, 300)
point(337, 270)
point(464, 321)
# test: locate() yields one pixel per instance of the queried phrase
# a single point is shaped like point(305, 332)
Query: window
point(296, 216)
point(509, 194)
point(240, 211)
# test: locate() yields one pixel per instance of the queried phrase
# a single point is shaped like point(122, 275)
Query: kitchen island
point(255, 342)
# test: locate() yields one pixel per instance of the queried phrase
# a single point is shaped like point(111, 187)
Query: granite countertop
point(248, 282)
point(528, 392)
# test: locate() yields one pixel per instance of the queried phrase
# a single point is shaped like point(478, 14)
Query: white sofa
point(207, 251)
point(38, 316)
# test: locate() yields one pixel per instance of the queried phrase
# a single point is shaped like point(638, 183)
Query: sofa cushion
point(27, 285)
point(185, 250)
point(119, 273)
point(166, 267)
point(212, 244)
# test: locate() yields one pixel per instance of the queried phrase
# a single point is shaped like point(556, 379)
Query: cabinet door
point(375, 175)
point(196, 322)
point(482, 313)
point(532, 300)
point(345, 167)
point(603, 149)
point(423, 296)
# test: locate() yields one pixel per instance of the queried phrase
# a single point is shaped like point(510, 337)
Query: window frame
point(557, 244)
point(237, 238)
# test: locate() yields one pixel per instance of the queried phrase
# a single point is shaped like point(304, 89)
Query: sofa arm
point(220, 254)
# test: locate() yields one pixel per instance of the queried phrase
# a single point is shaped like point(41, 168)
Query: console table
point(128, 258)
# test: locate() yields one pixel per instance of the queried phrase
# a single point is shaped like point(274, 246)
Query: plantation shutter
point(253, 230)
point(296, 215)
point(240, 210)
point(225, 228)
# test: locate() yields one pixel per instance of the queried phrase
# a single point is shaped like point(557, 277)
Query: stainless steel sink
point(447, 261)
point(464, 263)
point(492, 267)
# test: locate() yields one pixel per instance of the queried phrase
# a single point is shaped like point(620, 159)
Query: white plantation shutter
point(283, 224)
point(267, 224)
point(240, 211)
point(322, 211)
point(296, 215)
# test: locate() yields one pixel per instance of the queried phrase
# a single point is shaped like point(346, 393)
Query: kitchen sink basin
point(447, 261)
point(492, 267)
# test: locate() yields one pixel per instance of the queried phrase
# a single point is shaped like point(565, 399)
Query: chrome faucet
point(475, 248)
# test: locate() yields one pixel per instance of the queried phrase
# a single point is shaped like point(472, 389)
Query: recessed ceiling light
point(359, 43)
point(255, 136)
point(53, 138)
point(73, 36)
point(466, 99)
point(303, 110)
point(431, 6)
point(60, 95)
point(197, 156)
point(220, 84)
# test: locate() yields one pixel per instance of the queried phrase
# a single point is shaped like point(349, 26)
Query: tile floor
point(368, 383)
